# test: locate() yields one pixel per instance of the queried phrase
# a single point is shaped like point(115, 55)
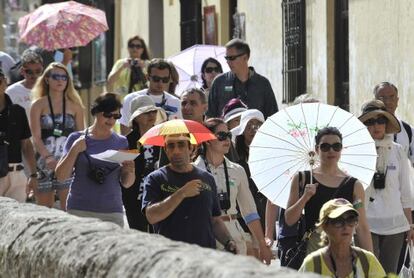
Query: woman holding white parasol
point(327, 181)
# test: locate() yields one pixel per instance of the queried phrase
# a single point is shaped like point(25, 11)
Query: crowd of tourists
point(203, 194)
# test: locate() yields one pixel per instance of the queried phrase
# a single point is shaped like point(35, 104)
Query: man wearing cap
point(241, 82)
point(193, 105)
point(14, 143)
point(159, 76)
point(180, 199)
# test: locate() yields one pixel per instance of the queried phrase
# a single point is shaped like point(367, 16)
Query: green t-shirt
point(121, 85)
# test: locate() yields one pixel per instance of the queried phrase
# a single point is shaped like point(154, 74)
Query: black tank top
point(324, 194)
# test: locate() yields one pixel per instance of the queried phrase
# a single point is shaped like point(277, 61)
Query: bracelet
point(228, 242)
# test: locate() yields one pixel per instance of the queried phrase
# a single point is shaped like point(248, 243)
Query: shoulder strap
point(407, 128)
point(317, 264)
point(343, 183)
point(363, 259)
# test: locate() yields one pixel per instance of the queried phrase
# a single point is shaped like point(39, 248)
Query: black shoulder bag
point(295, 255)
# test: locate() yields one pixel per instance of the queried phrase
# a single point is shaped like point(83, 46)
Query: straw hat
point(144, 104)
point(246, 116)
point(375, 108)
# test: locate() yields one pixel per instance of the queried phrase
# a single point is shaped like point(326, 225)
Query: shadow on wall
point(40, 242)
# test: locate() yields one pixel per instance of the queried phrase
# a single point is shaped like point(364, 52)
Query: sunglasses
point(59, 77)
point(211, 69)
point(31, 72)
point(341, 221)
point(325, 147)
point(232, 58)
point(138, 46)
point(222, 135)
point(159, 78)
point(109, 115)
point(380, 121)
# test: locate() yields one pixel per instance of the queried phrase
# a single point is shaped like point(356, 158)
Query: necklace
point(353, 264)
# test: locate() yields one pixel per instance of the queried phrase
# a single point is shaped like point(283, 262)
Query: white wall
point(381, 49)
point(134, 21)
point(172, 33)
point(316, 49)
point(264, 36)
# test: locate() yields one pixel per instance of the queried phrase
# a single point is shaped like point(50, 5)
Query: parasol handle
point(311, 163)
point(311, 175)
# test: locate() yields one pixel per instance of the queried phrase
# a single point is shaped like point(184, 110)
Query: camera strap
point(57, 129)
point(85, 153)
point(91, 166)
point(163, 100)
point(226, 173)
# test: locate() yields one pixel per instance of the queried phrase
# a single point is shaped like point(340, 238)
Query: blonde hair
point(41, 88)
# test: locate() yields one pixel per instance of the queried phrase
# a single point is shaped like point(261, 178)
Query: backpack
point(409, 131)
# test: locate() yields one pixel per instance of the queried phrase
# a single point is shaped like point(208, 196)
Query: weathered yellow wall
point(134, 20)
point(172, 33)
point(264, 35)
point(381, 47)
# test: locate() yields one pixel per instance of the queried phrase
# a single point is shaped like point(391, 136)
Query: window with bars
point(191, 23)
point(294, 49)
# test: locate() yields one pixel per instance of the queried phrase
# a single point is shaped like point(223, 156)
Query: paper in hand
point(116, 156)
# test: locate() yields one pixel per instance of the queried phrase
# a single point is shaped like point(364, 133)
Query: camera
point(224, 200)
point(97, 174)
point(379, 180)
point(134, 62)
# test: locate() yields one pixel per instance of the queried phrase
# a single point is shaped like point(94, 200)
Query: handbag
point(295, 255)
point(408, 271)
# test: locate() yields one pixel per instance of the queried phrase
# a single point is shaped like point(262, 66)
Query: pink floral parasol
point(62, 25)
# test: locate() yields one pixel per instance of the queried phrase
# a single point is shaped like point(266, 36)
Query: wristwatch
point(34, 175)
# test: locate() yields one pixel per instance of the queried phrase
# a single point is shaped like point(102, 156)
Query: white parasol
point(285, 144)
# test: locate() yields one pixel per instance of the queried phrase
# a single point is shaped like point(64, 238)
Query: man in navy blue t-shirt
point(180, 199)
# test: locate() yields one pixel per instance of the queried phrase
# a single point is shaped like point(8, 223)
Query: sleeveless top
point(324, 194)
point(46, 125)
point(53, 143)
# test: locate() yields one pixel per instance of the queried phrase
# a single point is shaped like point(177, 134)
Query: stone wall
point(40, 242)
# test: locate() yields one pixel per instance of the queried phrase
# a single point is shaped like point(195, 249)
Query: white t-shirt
point(168, 102)
point(20, 95)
